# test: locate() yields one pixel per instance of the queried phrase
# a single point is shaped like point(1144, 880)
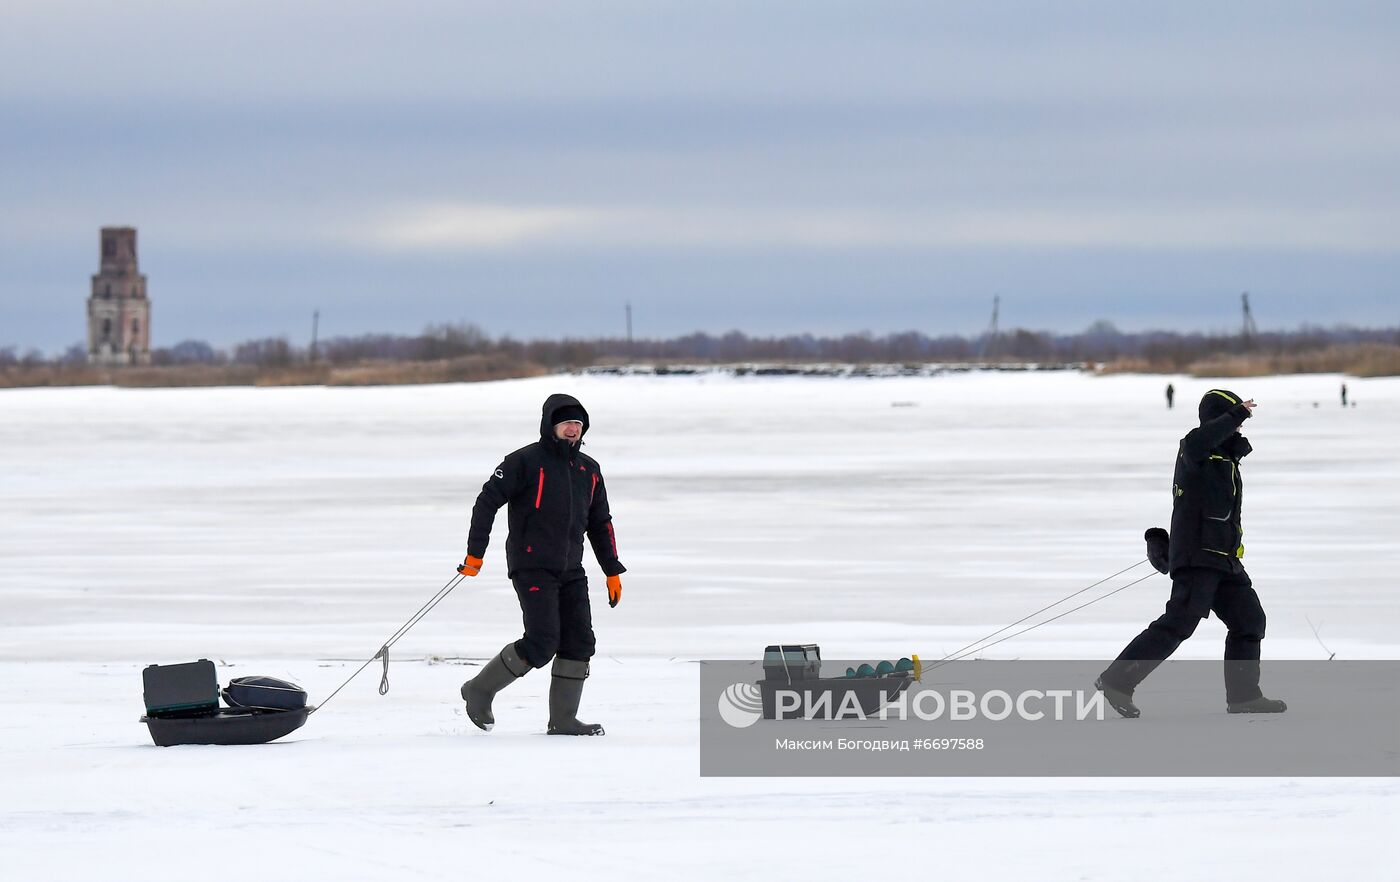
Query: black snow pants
point(557, 617)
point(1197, 592)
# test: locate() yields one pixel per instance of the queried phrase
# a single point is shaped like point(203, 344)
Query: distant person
point(1344, 395)
point(1171, 395)
point(1204, 561)
point(556, 496)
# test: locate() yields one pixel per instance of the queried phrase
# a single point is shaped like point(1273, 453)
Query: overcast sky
point(770, 167)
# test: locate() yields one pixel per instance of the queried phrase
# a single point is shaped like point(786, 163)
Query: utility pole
point(1248, 330)
point(629, 330)
point(315, 329)
point(993, 332)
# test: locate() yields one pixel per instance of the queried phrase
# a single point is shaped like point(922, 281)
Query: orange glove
point(471, 566)
point(614, 590)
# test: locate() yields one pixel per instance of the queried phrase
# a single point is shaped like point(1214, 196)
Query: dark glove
point(471, 566)
point(614, 590)
point(1158, 543)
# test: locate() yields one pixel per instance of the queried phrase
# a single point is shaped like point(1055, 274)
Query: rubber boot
point(499, 672)
point(1260, 705)
point(565, 690)
point(1118, 699)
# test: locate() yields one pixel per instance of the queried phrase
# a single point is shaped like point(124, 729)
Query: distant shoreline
point(1364, 361)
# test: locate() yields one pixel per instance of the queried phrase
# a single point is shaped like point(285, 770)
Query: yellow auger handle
point(918, 668)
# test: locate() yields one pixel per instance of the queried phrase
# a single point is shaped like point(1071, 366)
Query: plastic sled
point(236, 725)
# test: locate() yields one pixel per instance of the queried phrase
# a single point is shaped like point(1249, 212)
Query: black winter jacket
point(1207, 495)
point(556, 495)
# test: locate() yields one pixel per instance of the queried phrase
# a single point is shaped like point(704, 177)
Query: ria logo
point(741, 705)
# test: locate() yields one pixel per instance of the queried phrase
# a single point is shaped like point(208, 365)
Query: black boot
point(499, 672)
point(1260, 705)
point(565, 690)
point(1118, 699)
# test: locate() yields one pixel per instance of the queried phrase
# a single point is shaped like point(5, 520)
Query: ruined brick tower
point(119, 315)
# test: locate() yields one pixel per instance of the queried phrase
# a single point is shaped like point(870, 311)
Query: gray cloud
point(824, 166)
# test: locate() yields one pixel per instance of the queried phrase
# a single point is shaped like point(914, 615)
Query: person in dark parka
point(1205, 563)
point(556, 496)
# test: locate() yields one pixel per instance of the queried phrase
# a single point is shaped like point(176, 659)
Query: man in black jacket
point(1204, 561)
point(556, 495)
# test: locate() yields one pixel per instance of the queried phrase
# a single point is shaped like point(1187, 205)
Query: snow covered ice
point(289, 531)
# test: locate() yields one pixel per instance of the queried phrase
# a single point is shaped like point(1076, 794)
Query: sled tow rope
point(383, 652)
point(979, 645)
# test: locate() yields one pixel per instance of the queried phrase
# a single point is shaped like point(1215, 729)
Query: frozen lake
point(289, 531)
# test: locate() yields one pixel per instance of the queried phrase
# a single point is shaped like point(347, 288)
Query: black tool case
point(186, 689)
